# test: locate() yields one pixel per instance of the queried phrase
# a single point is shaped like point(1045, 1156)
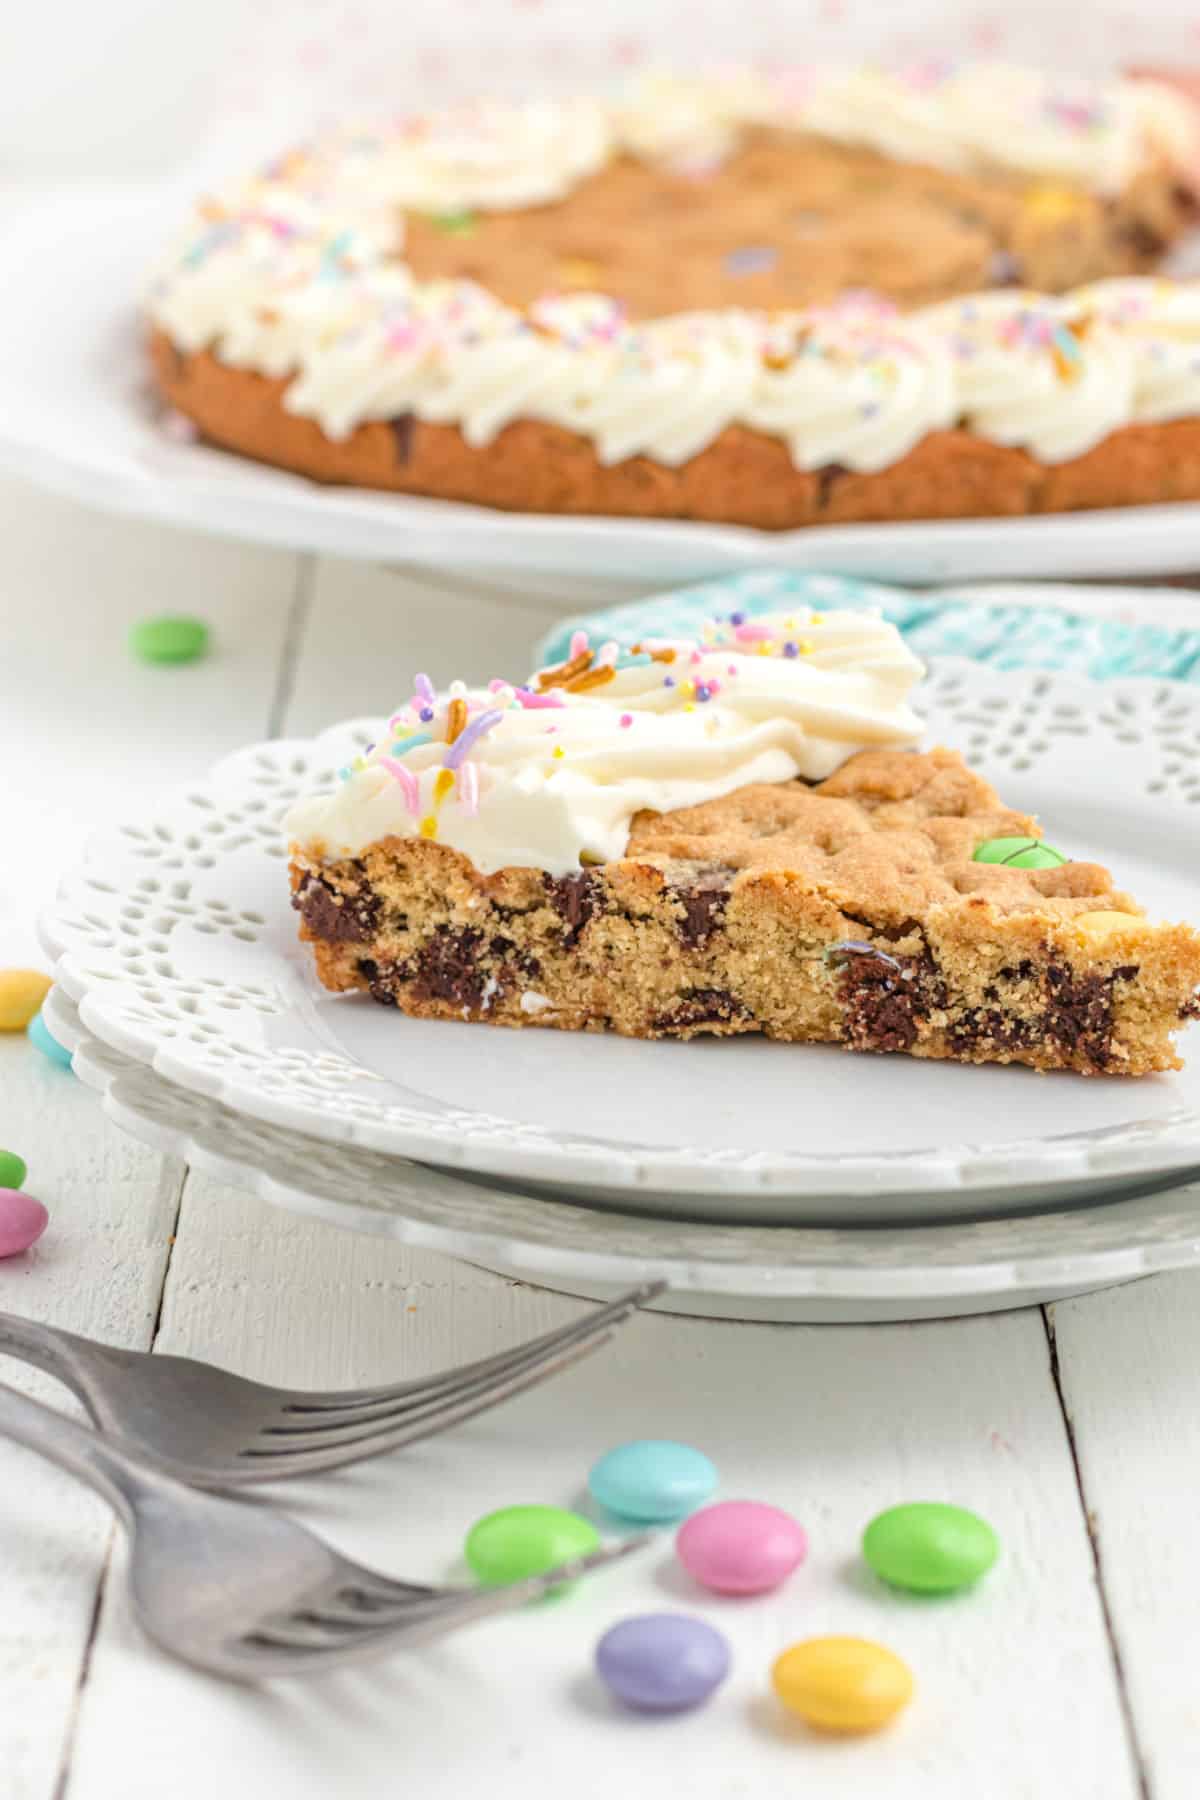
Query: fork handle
point(114, 1474)
point(46, 1347)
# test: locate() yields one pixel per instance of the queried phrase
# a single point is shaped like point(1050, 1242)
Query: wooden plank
point(1017, 1691)
point(86, 734)
point(1127, 1363)
point(99, 1270)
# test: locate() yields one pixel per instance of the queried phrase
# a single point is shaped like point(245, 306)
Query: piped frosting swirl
point(550, 775)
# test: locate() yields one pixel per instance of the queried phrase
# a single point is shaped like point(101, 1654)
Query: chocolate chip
point(828, 476)
point(402, 433)
point(1191, 1008)
point(576, 899)
point(701, 1006)
point(1077, 1016)
point(383, 980)
point(513, 959)
point(1079, 1013)
point(880, 1002)
point(1142, 239)
point(703, 912)
point(447, 968)
point(990, 1029)
point(338, 916)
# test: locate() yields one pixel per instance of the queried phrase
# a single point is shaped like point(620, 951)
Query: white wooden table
point(1073, 1672)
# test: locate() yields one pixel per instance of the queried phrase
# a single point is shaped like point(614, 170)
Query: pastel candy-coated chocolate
point(652, 1479)
point(172, 638)
point(12, 1169)
point(22, 1221)
point(842, 1684)
point(741, 1546)
point(1019, 853)
point(38, 1033)
point(929, 1547)
point(21, 994)
point(526, 1540)
point(662, 1662)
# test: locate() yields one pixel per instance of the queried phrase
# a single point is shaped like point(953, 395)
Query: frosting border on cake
point(299, 273)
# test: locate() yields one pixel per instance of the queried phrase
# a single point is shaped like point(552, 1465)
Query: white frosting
point(556, 786)
point(486, 156)
point(687, 120)
point(1036, 372)
point(858, 388)
point(972, 117)
point(1160, 323)
point(296, 275)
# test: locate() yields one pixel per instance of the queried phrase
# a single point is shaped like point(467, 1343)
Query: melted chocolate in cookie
point(337, 916)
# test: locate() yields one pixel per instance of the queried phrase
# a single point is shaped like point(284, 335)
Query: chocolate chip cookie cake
point(813, 297)
point(736, 834)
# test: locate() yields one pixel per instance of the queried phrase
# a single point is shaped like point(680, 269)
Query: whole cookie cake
point(830, 295)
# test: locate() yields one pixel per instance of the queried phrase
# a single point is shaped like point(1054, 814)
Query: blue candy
point(652, 1480)
point(38, 1033)
point(662, 1662)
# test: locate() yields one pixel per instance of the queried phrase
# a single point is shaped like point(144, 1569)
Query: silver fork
point(242, 1591)
point(218, 1430)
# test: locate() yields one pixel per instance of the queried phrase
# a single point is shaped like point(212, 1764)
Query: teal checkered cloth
point(1008, 636)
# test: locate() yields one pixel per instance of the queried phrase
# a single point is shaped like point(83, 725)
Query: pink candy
point(22, 1221)
point(741, 1546)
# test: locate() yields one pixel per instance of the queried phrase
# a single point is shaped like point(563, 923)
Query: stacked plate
point(758, 1179)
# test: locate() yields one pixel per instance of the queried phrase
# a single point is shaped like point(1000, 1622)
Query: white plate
point(177, 941)
point(732, 1271)
point(79, 417)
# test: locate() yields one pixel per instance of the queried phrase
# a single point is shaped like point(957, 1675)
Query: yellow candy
point(577, 272)
point(21, 994)
point(1094, 927)
point(1052, 205)
point(843, 1684)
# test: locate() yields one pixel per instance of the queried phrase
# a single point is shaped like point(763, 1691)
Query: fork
point(214, 1429)
point(240, 1590)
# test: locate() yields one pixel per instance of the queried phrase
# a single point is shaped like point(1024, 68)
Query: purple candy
point(662, 1662)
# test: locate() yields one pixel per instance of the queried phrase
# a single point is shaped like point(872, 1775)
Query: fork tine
point(294, 1641)
point(613, 1312)
point(342, 1449)
point(312, 1430)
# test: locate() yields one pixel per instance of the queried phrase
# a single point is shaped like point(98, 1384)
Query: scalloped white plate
point(81, 421)
point(737, 1270)
point(178, 943)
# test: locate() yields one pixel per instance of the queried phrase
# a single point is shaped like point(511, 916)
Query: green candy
point(519, 1541)
point(930, 1548)
point(1019, 853)
point(455, 224)
point(12, 1170)
point(173, 638)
